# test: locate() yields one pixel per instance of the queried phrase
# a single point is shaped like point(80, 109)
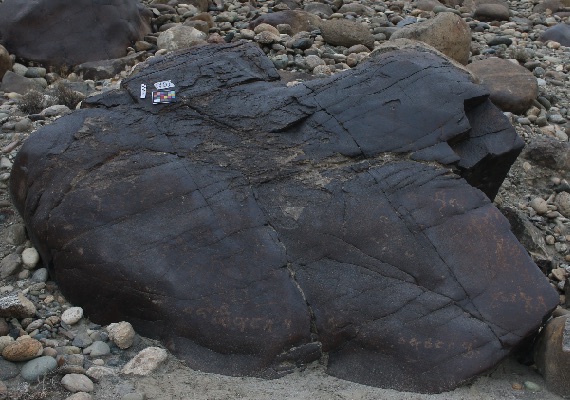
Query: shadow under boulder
point(253, 227)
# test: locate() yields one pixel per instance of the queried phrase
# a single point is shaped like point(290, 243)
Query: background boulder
point(513, 88)
point(59, 32)
point(447, 32)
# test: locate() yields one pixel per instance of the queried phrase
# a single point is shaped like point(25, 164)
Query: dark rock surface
point(105, 68)
point(251, 226)
point(559, 33)
point(549, 153)
point(60, 32)
point(12, 82)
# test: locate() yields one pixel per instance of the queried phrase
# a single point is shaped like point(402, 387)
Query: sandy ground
point(174, 381)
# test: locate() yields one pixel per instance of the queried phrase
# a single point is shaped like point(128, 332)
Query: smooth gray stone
point(38, 367)
point(8, 370)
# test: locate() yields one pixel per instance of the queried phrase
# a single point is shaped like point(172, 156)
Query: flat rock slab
point(68, 33)
point(252, 226)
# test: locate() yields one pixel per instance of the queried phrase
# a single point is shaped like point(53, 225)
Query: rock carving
point(253, 227)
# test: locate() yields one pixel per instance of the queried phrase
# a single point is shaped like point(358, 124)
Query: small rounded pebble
point(41, 275)
point(77, 383)
point(539, 205)
point(22, 349)
point(98, 349)
point(30, 258)
point(37, 368)
point(72, 315)
point(532, 387)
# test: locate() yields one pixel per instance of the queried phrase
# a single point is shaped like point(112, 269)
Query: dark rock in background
point(13, 82)
point(549, 153)
point(64, 33)
point(105, 69)
point(559, 33)
point(251, 226)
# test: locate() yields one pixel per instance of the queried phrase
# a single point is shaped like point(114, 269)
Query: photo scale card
point(163, 96)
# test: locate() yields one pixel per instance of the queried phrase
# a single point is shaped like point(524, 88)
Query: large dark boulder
point(67, 33)
point(253, 226)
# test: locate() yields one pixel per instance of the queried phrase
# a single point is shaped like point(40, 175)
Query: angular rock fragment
point(16, 306)
point(252, 226)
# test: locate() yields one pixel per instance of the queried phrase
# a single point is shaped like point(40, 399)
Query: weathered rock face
point(40, 30)
point(252, 226)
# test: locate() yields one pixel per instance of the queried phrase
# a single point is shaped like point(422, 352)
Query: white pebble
point(122, 334)
point(72, 315)
point(77, 383)
point(30, 257)
point(539, 205)
point(146, 361)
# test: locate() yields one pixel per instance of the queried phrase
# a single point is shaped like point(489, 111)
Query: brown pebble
point(22, 350)
point(517, 386)
point(8, 148)
point(49, 351)
point(559, 274)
